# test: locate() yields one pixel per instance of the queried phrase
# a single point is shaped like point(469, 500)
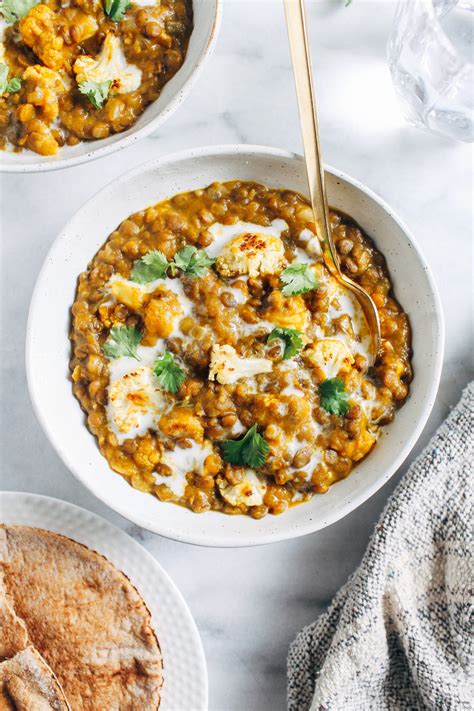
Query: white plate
point(184, 665)
point(48, 347)
point(207, 20)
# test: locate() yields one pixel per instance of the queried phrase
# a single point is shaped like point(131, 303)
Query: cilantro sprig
point(123, 341)
point(251, 450)
point(192, 261)
point(298, 279)
point(8, 86)
point(116, 9)
point(169, 374)
point(96, 91)
point(13, 10)
point(154, 265)
point(291, 339)
point(333, 396)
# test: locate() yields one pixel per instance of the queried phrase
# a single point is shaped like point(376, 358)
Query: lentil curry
point(220, 365)
point(73, 70)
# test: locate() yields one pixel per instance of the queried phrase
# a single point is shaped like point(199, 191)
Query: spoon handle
point(300, 56)
point(299, 47)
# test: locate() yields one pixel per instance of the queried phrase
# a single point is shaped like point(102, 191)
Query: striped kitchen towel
point(399, 634)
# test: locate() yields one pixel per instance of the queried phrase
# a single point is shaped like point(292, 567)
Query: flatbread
point(13, 632)
point(28, 684)
point(85, 618)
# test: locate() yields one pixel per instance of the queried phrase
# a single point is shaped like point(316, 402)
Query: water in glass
point(431, 59)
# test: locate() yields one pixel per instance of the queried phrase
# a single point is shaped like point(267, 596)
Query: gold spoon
point(300, 55)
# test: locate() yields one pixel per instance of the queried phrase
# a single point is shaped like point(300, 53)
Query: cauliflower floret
point(110, 65)
point(40, 139)
point(287, 313)
point(252, 254)
point(43, 87)
point(38, 31)
point(226, 367)
point(181, 422)
point(329, 357)
point(44, 31)
point(249, 491)
point(134, 403)
point(161, 314)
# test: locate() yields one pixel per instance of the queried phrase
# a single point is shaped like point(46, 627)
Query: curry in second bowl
point(220, 366)
point(84, 69)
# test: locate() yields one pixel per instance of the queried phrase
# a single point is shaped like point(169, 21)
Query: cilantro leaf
point(116, 9)
point(14, 85)
point(169, 374)
point(333, 396)
point(298, 278)
point(96, 91)
point(290, 337)
point(193, 262)
point(13, 10)
point(6, 86)
point(151, 266)
point(123, 341)
point(251, 450)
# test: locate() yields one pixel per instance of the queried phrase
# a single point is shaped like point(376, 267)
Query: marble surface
point(250, 603)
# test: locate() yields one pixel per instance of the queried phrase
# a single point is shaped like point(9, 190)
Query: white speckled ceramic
point(207, 19)
point(48, 348)
point(184, 665)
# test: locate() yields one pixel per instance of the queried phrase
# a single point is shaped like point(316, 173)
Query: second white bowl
point(207, 18)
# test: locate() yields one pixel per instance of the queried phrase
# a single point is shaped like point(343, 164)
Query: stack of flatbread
point(74, 632)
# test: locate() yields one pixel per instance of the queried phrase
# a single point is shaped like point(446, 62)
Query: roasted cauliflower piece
point(329, 357)
point(38, 29)
point(252, 254)
point(161, 314)
point(287, 313)
point(40, 139)
point(110, 65)
point(182, 423)
point(227, 367)
point(248, 492)
point(44, 32)
point(43, 88)
point(134, 403)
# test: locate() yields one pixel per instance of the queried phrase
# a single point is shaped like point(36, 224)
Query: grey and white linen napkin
point(399, 634)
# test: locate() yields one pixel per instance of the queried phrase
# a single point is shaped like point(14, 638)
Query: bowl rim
point(242, 540)
point(178, 98)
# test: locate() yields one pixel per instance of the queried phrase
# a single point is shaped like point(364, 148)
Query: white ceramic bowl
point(48, 347)
point(207, 18)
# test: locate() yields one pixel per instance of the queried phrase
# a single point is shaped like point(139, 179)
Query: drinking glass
point(430, 54)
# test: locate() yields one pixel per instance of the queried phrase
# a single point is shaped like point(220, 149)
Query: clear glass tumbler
point(430, 54)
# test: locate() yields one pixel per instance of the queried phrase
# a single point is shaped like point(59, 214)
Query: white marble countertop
point(250, 603)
